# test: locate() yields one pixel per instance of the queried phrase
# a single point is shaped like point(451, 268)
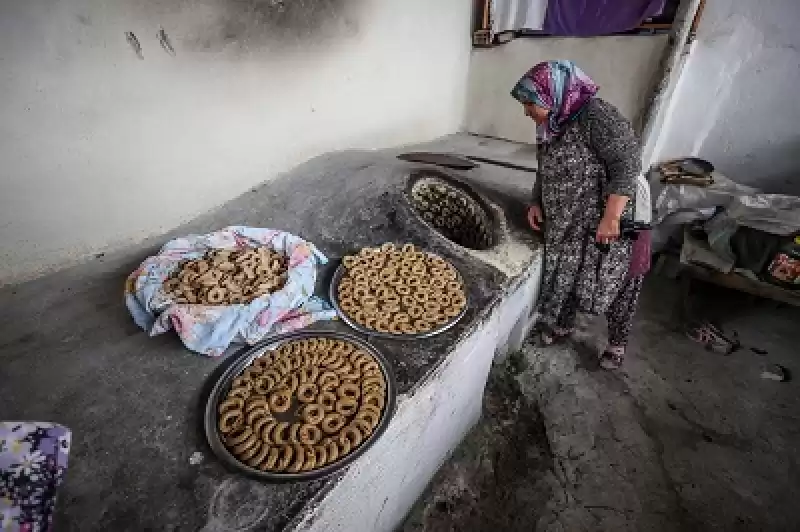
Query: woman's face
point(535, 112)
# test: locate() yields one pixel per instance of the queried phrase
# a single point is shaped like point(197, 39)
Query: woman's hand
point(535, 217)
point(608, 230)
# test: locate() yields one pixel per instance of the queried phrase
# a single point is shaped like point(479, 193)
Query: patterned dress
point(596, 155)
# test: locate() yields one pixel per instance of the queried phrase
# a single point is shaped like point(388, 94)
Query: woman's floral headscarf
point(560, 87)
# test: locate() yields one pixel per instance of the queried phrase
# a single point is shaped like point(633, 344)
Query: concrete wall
point(100, 147)
point(625, 67)
point(736, 100)
point(377, 491)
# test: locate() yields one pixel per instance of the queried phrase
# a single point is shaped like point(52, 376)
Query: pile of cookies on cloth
point(238, 284)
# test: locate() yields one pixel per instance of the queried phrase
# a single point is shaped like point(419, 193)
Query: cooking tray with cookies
point(300, 406)
point(398, 291)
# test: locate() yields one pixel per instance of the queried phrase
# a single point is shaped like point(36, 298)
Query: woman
point(589, 161)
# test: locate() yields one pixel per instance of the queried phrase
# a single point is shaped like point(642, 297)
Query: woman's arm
point(614, 206)
point(536, 194)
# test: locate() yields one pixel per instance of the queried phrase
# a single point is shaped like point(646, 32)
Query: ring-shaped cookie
point(346, 406)
point(280, 433)
point(280, 401)
point(370, 368)
point(369, 417)
point(294, 433)
point(328, 401)
point(332, 423)
point(238, 437)
point(230, 421)
point(241, 392)
point(415, 311)
point(450, 274)
point(267, 430)
point(232, 403)
point(430, 317)
point(395, 327)
point(353, 435)
point(458, 301)
point(256, 403)
point(272, 460)
point(310, 458)
point(332, 449)
point(285, 460)
point(310, 434)
point(242, 448)
point(344, 445)
point(431, 306)
point(307, 393)
point(365, 428)
point(258, 458)
point(403, 290)
point(313, 414)
point(254, 415)
point(350, 391)
point(373, 399)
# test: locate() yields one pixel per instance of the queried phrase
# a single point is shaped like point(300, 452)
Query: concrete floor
point(680, 439)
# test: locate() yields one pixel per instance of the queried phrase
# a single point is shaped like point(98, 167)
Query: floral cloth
point(33, 458)
point(640, 255)
point(558, 86)
point(210, 329)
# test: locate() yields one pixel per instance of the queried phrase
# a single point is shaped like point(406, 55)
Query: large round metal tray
point(244, 358)
point(334, 290)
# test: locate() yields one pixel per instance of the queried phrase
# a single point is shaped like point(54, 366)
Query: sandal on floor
point(552, 336)
point(712, 338)
point(610, 360)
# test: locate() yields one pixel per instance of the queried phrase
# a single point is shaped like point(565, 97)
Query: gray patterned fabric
point(597, 155)
point(620, 312)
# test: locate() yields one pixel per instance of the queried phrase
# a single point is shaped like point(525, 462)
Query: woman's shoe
point(611, 359)
point(552, 336)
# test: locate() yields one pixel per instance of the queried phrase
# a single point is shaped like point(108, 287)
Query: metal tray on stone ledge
point(334, 290)
point(244, 358)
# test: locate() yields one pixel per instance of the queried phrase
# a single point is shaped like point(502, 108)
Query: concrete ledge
point(378, 490)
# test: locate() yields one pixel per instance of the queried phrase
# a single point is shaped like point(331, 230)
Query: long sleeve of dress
point(536, 193)
point(614, 141)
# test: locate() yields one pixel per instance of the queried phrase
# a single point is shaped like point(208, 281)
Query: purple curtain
point(588, 18)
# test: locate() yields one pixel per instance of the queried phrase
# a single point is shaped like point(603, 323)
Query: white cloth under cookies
point(210, 329)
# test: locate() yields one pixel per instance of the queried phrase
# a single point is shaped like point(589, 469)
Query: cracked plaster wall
point(734, 103)
point(624, 66)
point(101, 148)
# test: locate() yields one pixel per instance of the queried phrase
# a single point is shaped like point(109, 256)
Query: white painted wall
point(625, 67)
point(99, 148)
point(735, 103)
